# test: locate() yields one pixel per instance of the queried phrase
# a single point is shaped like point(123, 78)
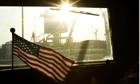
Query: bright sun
point(65, 7)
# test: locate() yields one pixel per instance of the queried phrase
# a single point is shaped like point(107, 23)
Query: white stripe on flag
point(56, 55)
point(47, 57)
point(54, 64)
point(34, 61)
point(35, 67)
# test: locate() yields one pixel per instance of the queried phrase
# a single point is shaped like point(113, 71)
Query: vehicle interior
point(100, 36)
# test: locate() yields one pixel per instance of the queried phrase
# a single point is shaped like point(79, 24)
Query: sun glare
point(65, 7)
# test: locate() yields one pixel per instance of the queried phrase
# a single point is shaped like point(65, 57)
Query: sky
point(10, 17)
point(84, 28)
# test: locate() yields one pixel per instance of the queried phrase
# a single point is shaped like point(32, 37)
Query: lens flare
point(65, 7)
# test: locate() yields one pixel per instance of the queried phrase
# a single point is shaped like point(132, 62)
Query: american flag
point(45, 60)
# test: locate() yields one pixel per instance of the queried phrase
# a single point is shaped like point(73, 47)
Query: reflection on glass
point(81, 34)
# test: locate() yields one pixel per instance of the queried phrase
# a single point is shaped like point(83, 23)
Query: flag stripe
point(54, 64)
point(46, 57)
point(37, 62)
point(32, 64)
point(35, 67)
point(48, 72)
point(60, 70)
point(57, 55)
point(45, 60)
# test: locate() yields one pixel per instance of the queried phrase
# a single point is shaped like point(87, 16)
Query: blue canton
point(26, 46)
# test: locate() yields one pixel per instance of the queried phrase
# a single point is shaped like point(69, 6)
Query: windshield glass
point(80, 34)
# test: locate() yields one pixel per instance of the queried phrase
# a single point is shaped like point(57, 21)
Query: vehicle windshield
point(80, 34)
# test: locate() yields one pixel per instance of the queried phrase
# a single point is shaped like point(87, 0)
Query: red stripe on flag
point(35, 64)
point(54, 52)
point(32, 67)
point(60, 61)
point(54, 61)
point(45, 60)
point(53, 65)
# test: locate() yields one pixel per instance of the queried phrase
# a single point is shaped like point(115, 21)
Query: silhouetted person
point(33, 36)
point(132, 77)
